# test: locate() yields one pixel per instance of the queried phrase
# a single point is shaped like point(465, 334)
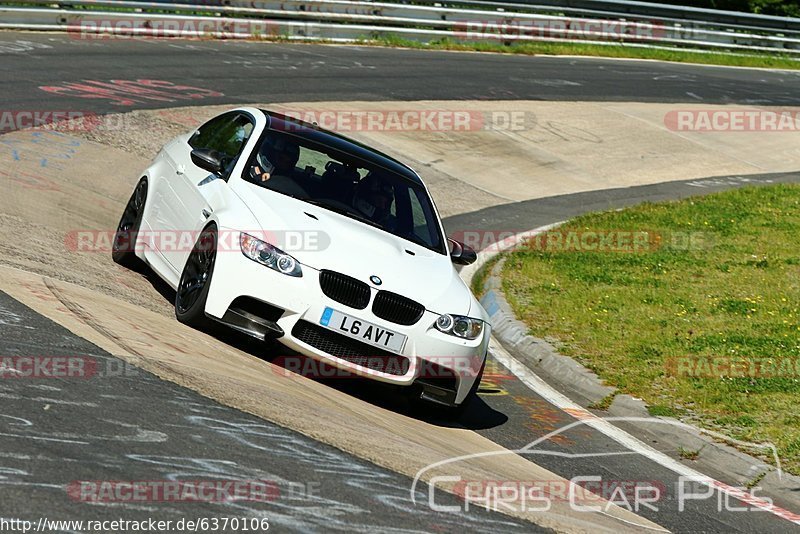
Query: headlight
point(265, 254)
point(459, 326)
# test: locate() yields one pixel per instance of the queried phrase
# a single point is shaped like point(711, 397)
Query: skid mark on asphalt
point(20, 46)
point(284, 62)
point(9, 318)
point(265, 439)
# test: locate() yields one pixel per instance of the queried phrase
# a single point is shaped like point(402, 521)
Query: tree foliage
point(780, 8)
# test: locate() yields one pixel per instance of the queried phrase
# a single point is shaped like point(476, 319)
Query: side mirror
point(461, 254)
point(207, 159)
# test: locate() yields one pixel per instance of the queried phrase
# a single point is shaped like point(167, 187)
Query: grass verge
point(479, 278)
point(729, 59)
point(703, 324)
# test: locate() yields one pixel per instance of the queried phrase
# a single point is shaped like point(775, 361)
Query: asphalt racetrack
point(138, 427)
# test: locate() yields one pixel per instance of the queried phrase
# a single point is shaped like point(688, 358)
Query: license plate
point(361, 330)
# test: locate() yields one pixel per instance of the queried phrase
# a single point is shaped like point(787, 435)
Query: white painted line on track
point(585, 417)
point(603, 425)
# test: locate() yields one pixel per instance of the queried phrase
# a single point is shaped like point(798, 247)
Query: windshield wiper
point(355, 216)
point(342, 211)
point(327, 206)
point(416, 240)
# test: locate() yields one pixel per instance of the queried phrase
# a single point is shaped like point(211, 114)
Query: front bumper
point(444, 365)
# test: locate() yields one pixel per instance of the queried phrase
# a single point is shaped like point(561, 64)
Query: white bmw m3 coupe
point(280, 229)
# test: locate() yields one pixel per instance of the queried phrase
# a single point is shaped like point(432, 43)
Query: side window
point(226, 134)
point(421, 217)
point(204, 136)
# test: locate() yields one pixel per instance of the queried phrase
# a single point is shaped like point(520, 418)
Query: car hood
point(322, 239)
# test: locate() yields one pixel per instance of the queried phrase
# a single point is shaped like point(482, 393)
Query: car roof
point(311, 132)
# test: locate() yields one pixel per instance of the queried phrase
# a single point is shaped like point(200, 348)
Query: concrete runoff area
point(475, 154)
point(57, 183)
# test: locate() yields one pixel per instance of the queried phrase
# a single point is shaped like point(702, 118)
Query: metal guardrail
point(458, 20)
point(653, 10)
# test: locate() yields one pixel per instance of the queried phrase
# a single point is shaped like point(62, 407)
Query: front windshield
point(346, 185)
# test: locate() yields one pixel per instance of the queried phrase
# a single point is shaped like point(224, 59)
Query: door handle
point(181, 170)
point(206, 213)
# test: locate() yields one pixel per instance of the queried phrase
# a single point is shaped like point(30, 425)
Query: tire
point(192, 293)
point(123, 247)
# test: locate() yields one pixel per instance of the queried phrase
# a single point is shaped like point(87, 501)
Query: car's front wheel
point(124, 245)
point(190, 299)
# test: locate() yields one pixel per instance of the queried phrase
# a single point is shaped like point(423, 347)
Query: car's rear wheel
point(124, 245)
point(190, 299)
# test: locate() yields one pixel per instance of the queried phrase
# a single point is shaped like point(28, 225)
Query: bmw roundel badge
point(375, 280)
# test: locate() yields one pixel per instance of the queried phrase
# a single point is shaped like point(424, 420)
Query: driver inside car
point(276, 157)
point(373, 198)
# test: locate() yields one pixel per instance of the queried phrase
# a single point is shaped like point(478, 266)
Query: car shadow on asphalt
point(478, 415)
point(163, 288)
